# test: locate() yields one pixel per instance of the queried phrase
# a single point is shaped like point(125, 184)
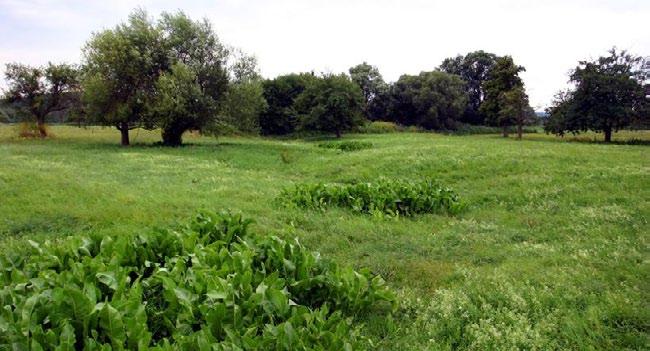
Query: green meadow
point(550, 252)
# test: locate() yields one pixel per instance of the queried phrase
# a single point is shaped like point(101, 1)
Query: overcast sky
point(548, 37)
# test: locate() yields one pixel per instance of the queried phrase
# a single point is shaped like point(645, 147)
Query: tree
point(179, 103)
point(503, 77)
point(42, 90)
point(514, 106)
point(121, 68)
point(370, 81)
point(332, 103)
point(474, 69)
point(190, 94)
point(244, 100)
point(608, 96)
point(431, 100)
point(281, 117)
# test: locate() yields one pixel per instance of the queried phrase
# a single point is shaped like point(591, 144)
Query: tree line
point(176, 75)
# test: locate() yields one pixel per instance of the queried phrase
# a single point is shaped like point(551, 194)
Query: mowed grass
point(552, 251)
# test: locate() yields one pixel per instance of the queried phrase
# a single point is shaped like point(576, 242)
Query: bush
point(379, 127)
point(468, 129)
point(346, 145)
point(392, 197)
point(210, 283)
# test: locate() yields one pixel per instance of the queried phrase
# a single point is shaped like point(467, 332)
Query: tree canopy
point(473, 68)
point(332, 104)
point(431, 100)
point(608, 96)
point(502, 78)
point(39, 91)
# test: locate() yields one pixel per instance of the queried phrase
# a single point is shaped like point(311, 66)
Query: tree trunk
point(505, 131)
point(338, 134)
point(172, 137)
point(124, 130)
point(40, 124)
point(608, 134)
point(520, 131)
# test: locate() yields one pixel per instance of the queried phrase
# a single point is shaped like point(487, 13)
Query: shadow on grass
point(587, 140)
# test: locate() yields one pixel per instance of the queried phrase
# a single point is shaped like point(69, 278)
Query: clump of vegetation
point(210, 283)
point(379, 127)
point(392, 197)
point(347, 145)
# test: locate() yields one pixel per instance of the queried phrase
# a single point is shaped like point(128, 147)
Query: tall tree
point(431, 100)
point(42, 90)
point(281, 117)
point(515, 107)
point(244, 100)
point(121, 68)
point(502, 78)
point(474, 69)
point(370, 81)
point(608, 95)
point(198, 64)
point(332, 103)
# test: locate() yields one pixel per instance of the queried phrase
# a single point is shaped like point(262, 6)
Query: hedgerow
point(346, 145)
point(391, 197)
point(209, 285)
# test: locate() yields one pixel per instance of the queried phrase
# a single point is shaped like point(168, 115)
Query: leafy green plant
point(392, 197)
point(209, 285)
point(346, 145)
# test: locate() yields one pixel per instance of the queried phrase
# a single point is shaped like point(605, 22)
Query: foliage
point(502, 78)
point(242, 106)
point(332, 103)
point(346, 145)
point(608, 96)
point(211, 283)
point(515, 107)
point(372, 85)
point(391, 197)
point(474, 69)
point(281, 117)
point(121, 68)
point(431, 100)
point(379, 127)
point(40, 91)
point(197, 80)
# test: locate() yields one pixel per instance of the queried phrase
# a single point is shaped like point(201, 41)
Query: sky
point(547, 37)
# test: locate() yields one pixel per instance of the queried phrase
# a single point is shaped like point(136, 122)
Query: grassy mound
point(391, 197)
point(210, 284)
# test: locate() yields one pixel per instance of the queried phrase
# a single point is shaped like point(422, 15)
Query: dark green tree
point(431, 100)
point(121, 68)
point(515, 107)
point(608, 96)
point(197, 81)
point(40, 91)
point(331, 104)
point(371, 82)
point(280, 117)
point(474, 69)
point(502, 78)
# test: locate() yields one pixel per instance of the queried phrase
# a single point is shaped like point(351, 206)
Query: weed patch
point(390, 197)
point(210, 283)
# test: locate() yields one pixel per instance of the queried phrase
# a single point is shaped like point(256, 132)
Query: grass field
point(552, 251)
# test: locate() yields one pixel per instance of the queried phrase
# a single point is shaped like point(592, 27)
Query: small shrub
point(392, 197)
point(210, 285)
point(379, 127)
point(30, 130)
point(346, 145)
